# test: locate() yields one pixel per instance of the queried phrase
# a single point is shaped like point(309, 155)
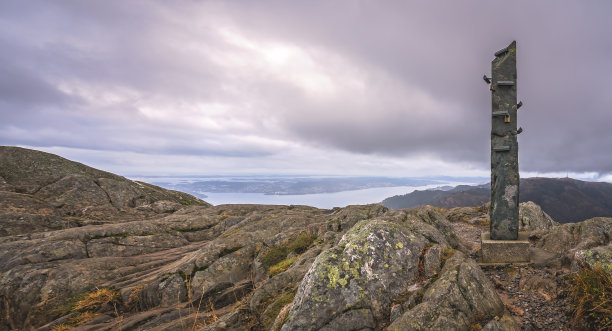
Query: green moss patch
point(282, 266)
point(275, 255)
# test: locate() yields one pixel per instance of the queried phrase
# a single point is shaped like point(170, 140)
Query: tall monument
point(504, 244)
point(504, 145)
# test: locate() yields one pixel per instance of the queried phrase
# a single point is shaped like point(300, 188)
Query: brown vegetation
point(592, 294)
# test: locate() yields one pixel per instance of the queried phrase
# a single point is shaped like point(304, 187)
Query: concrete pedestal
point(505, 251)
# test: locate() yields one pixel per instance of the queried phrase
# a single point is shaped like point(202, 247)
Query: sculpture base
point(504, 251)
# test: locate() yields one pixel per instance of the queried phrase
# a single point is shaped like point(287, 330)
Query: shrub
point(299, 245)
point(302, 242)
point(273, 255)
point(591, 291)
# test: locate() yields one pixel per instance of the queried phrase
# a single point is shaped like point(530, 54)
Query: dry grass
point(61, 327)
point(591, 292)
point(197, 321)
point(87, 307)
point(96, 300)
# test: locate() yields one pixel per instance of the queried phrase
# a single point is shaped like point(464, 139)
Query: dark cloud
point(241, 78)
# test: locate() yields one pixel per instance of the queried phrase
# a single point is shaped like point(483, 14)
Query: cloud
point(269, 83)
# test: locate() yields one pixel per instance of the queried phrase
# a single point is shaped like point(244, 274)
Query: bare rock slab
point(505, 251)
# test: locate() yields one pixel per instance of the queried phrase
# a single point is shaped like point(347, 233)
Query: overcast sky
point(324, 87)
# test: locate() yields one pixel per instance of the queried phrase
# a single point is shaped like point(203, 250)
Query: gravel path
point(536, 297)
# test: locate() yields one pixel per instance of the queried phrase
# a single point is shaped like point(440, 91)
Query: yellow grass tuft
point(96, 300)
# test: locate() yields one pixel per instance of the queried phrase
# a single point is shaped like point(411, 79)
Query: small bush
point(591, 291)
point(299, 245)
point(302, 242)
point(273, 255)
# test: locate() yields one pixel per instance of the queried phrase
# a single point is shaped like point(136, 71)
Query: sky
point(318, 87)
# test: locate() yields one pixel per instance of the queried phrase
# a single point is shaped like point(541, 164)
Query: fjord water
point(319, 200)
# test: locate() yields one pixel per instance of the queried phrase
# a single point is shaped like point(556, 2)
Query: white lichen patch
point(509, 194)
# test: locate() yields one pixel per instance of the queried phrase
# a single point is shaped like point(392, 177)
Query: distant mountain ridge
point(564, 199)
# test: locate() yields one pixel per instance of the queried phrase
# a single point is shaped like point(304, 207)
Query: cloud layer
point(270, 86)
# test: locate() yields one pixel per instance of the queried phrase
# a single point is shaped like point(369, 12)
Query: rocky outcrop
point(532, 217)
point(352, 285)
point(99, 252)
point(380, 269)
point(584, 244)
point(218, 267)
point(460, 297)
point(42, 192)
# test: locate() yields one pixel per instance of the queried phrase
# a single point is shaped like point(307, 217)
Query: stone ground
point(535, 296)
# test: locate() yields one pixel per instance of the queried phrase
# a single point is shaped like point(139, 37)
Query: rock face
point(456, 300)
point(532, 217)
point(352, 284)
point(584, 244)
point(159, 264)
point(41, 192)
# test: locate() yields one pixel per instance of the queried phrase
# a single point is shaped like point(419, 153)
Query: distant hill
point(564, 199)
point(41, 192)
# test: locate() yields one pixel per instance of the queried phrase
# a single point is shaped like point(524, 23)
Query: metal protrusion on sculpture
point(505, 83)
point(519, 130)
point(519, 105)
point(486, 79)
point(501, 52)
point(500, 113)
point(501, 148)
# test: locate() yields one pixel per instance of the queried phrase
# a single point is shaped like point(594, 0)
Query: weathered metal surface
point(501, 149)
point(504, 166)
point(501, 52)
point(518, 105)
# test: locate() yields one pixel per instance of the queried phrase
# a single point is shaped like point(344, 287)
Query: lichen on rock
point(373, 263)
